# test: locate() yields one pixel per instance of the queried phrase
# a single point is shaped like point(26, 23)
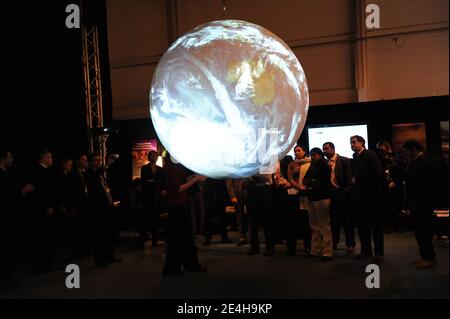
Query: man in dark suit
point(260, 208)
point(392, 187)
point(41, 205)
point(340, 207)
point(82, 232)
point(102, 211)
point(419, 193)
point(63, 193)
point(215, 192)
point(64, 202)
point(367, 192)
point(10, 196)
point(152, 177)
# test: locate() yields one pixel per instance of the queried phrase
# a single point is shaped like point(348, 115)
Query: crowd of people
point(47, 207)
point(312, 198)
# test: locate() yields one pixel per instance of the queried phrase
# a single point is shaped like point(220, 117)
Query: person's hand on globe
point(201, 178)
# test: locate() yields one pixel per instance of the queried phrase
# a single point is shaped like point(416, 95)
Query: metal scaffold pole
point(93, 91)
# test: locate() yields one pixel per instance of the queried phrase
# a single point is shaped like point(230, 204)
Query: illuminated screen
point(227, 98)
point(338, 135)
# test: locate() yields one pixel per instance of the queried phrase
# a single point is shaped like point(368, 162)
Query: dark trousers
point(296, 223)
point(422, 222)
point(305, 227)
point(149, 219)
point(83, 240)
point(78, 233)
point(280, 207)
point(340, 217)
point(369, 227)
point(289, 221)
point(9, 246)
point(392, 204)
point(44, 241)
point(181, 250)
point(241, 219)
point(215, 221)
point(260, 211)
point(198, 212)
point(105, 230)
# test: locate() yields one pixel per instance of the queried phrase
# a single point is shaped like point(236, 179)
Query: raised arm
point(197, 178)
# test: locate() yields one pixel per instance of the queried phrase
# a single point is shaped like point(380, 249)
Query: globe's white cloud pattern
point(216, 86)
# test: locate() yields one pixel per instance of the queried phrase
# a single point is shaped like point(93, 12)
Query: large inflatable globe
point(228, 99)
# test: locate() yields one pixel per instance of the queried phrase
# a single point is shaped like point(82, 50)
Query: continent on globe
point(253, 78)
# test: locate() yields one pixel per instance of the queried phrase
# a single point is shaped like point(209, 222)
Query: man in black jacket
point(82, 240)
point(367, 192)
point(102, 211)
point(340, 209)
point(64, 202)
point(214, 197)
point(260, 201)
point(41, 205)
point(419, 194)
point(153, 182)
point(392, 187)
point(10, 196)
point(317, 180)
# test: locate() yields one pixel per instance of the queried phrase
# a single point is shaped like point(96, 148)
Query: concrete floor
point(232, 274)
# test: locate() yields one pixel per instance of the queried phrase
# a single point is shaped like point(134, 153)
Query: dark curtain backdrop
point(43, 103)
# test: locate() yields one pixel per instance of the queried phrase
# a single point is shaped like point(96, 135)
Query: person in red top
point(181, 250)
